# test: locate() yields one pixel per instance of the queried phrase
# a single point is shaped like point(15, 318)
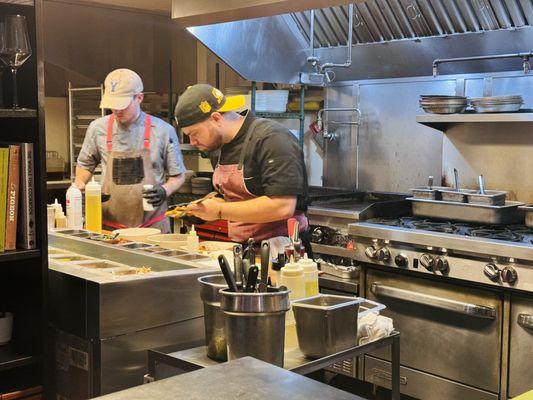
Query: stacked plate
point(201, 185)
point(187, 185)
point(497, 104)
point(438, 104)
point(274, 101)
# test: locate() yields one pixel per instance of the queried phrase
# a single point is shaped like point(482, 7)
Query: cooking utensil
point(456, 179)
point(261, 287)
point(252, 279)
point(251, 251)
point(265, 260)
point(237, 263)
point(180, 210)
point(430, 182)
point(228, 275)
point(245, 269)
point(481, 184)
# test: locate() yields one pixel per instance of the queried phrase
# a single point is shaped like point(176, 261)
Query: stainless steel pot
point(215, 335)
point(255, 324)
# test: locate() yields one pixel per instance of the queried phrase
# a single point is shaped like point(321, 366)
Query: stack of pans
point(438, 104)
point(497, 104)
point(201, 185)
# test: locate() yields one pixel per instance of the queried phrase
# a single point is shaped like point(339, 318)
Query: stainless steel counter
point(245, 378)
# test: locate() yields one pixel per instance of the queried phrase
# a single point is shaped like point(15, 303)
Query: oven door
point(521, 358)
point(446, 330)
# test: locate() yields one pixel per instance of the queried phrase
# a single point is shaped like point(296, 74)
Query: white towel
point(373, 327)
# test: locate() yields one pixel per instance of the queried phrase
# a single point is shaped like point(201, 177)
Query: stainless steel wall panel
point(520, 360)
point(395, 153)
point(340, 163)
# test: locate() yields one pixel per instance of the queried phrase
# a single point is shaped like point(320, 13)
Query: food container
point(169, 241)
point(457, 196)
point(465, 212)
point(215, 333)
point(6, 327)
point(136, 234)
point(326, 324)
point(429, 192)
point(136, 245)
point(255, 324)
point(528, 211)
point(491, 197)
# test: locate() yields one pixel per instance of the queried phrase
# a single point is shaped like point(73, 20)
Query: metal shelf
point(9, 358)
point(284, 115)
point(17, 113)
point(443, 122)
point(16, 255)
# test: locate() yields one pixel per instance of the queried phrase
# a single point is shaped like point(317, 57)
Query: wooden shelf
point(443, 121)
point(15, 255)
point(17, 113)
point(9, 358)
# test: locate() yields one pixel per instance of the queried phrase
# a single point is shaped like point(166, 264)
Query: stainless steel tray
point(479, 213)
point(528, 211)
point(491, 197)
point(452, 195)
point(429, 192)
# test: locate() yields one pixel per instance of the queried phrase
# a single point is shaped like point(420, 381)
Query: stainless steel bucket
point(215, 335)
point(255, 324)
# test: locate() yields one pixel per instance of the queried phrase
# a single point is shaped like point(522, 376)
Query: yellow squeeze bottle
point(93, 206)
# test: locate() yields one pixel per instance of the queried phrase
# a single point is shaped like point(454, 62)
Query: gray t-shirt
point(164, 145)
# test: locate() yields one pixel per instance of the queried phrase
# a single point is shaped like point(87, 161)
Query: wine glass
point(15, 47)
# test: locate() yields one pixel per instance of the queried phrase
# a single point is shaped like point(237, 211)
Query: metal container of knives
point(215, 334)
point(489, 197)
point(255, 324)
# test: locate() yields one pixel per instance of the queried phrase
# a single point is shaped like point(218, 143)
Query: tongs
point(180, 210)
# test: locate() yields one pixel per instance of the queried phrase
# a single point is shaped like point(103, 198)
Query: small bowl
point(136, 234)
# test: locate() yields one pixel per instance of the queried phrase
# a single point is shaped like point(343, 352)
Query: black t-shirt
point(274, 164)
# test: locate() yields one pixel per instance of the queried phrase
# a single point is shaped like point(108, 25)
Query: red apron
point(230, 179)
point(124, 208)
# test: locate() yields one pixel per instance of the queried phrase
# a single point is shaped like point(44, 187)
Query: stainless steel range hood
point(391, 38)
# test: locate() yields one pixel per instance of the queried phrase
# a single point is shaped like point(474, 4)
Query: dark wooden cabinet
point(23, 272)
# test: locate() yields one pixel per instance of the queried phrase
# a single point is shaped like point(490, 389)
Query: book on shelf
point(26, 237)
point(4, 162)
point(12, 197)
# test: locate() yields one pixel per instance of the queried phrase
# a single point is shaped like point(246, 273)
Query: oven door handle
point(525, 321)
point(473, 310)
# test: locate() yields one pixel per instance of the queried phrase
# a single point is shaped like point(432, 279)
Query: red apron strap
point(114, 224)
point(109, 139)
point(147, 131)
point(154, 220)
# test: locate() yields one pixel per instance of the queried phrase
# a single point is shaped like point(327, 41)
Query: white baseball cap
point(120, 86)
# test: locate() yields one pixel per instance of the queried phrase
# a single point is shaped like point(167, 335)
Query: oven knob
point(371, 252)
point(427, 261)
point(383, 254)
point(509, 275)
point(492, 272)
point(401, 260)
point(441, 264)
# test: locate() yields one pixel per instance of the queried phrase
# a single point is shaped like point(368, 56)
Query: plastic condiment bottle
point(61, 220)
point(74, 208)
point(310, 275)
point(292, 276)
point(57, 207)
point(193, 242)
point(147, 206)
point(93, 206)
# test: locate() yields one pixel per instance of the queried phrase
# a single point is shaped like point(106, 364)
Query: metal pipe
point(524, 56)
point(320, 123)
point(312, 33)
point(350, 42)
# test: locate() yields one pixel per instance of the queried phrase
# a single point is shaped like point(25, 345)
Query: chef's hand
point(155, 196)
point(208, 210)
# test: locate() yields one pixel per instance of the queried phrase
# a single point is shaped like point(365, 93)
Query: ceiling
point(159, 6)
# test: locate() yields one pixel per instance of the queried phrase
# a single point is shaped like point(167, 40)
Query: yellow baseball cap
point(120, 86)
point(199, 101)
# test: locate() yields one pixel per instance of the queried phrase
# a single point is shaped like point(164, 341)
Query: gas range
point(493, 255)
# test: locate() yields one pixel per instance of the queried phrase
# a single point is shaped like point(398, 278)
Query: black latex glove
point(155, 196)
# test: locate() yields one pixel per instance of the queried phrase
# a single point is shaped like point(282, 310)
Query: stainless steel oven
point(451, 337)
point(521, 348)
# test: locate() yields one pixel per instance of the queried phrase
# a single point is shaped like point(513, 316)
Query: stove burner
point(433, 226)
point(499, 234)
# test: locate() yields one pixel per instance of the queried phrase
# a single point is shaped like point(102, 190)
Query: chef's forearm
point(173, 183)
point(260, 209)
point(82, 177)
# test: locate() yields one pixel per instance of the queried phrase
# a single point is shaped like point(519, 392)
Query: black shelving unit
point(23, 272)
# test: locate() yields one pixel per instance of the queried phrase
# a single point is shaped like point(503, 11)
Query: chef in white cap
point(134, 149)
